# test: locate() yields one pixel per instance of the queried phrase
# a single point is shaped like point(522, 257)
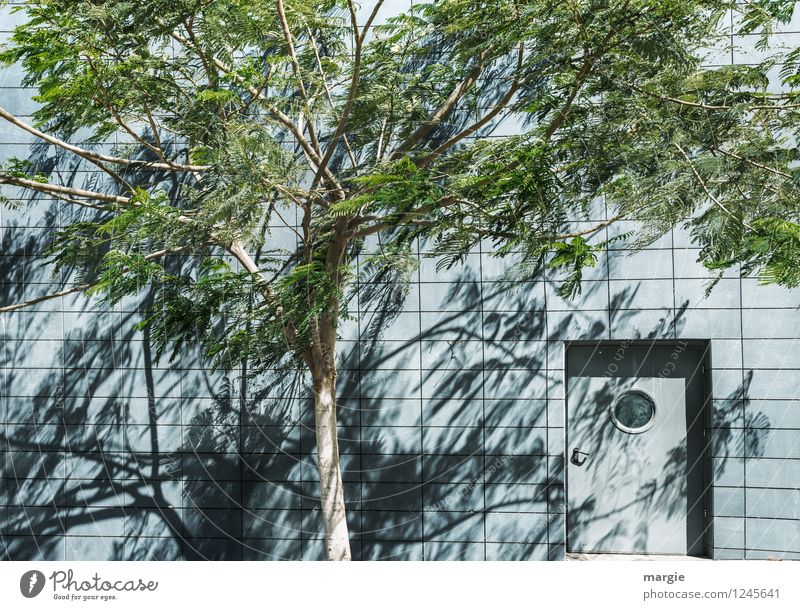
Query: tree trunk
point(337, 542)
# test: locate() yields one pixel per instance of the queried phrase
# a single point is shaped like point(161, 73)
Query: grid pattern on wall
point(452, 416)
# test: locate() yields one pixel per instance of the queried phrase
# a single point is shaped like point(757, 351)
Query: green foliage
point(770, 249)
point(574, 256)
point(123, 274)
point(614, 107)
point(22, 168)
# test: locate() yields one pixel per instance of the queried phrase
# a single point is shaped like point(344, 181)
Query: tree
point(746, 162)
point(240, 113)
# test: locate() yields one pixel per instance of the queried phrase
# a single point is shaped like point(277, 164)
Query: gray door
point(629, 462)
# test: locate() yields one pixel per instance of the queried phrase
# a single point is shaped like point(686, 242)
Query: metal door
point(629, 459)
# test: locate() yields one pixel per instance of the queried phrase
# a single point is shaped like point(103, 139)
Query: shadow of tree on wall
point(111, 456)
point(469, 363)
point(79, 392)
point(450, 441)
point(106, 458)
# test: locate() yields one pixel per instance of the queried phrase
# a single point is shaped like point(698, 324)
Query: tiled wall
point(452, 415)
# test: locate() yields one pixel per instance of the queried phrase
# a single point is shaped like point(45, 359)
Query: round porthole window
point(634, 411)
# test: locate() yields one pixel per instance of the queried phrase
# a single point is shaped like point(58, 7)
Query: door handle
point(576, 457)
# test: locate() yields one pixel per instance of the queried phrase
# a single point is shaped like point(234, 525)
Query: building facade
point(462, 434)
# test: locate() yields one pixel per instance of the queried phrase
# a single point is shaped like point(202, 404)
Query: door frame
point(707, 417)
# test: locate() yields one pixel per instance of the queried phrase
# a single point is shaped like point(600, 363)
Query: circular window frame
point(627, 429)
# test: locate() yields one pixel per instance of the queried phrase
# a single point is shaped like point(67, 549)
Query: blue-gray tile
point(728, 501)
point(770, 323)
point(757, 295)
point(516, 551)
point(728, 532)
point(773, 443)
point(693, 294)
point(521, 528)
point(645, 264)
point(778, 473)
point(641, 294)
point(773, 535)
point(708, 323)
point(578, 325)
point(771, 353)
point(453, 527)
point(450, 296)
point(773, 503)
point(593, 295)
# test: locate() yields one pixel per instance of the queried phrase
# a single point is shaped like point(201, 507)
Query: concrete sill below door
point(623, 557)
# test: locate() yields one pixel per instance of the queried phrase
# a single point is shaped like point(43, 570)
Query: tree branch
point(238, 251)
point(441, 112)
point(287, 123)
point(46, 297)
point(561, 116)
point(95, 157)
point(591, 230)
point(87, 286)
point(65, 192)
point(771, 170)
point(56, 189)
point(703, 185)
point(287, 35)
point(704, 106)
point(329, 97)
point(586, 66)
point(351, 96)
point(212, 76)
point(115, 115)
point(280, 117)
point(78, 202)
point(499, 107)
